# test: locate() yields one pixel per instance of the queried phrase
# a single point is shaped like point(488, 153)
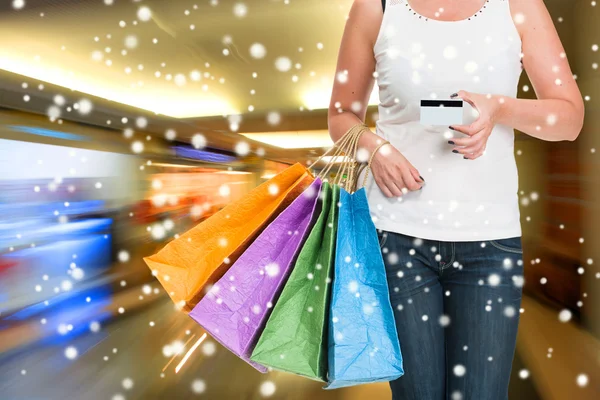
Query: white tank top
point(422, 58)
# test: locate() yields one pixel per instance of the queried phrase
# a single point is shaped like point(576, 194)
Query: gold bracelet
point(371, 160)
point(375, 151)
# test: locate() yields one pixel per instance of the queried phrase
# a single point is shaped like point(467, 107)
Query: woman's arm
point(353, 84)
point(558, 112)
point(354, 79)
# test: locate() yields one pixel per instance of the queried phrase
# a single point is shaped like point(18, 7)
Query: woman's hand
point(393, 173)
point(488, 107)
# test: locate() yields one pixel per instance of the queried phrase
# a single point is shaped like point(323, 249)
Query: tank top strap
point(493, 11)
point(497, 6)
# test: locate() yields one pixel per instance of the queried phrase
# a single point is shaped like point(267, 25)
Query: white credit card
point(442, 112)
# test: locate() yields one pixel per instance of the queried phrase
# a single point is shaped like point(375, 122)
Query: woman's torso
point(421, 58)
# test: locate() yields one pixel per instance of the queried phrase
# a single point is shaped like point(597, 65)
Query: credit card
point(442, 112)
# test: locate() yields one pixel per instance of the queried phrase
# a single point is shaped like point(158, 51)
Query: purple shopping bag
point(236, 308)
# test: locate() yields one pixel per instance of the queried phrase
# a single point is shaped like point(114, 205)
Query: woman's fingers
point(397, 188)
point(476, 154)
point(463, 141)
point(387, 183)
point(473, 144)
point(466, 129)
point(384, 189)
point(470, 130)
point(394, 179)
point(475, 147)
point(409, 181)
point(466, 96)
point(415, 174)
point(391, 185)
point(397, 176)
point(405, 179)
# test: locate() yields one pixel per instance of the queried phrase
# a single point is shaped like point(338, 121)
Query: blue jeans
point(456, 306)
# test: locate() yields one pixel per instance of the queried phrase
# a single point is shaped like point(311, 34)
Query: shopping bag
point(363, 341)
point(203, 254)
point(237, 306)
point(295, 336)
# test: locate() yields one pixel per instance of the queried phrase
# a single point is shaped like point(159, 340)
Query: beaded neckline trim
point(416, 14)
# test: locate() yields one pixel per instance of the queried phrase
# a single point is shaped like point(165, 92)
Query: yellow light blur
point(165, 165)
point(189, 353)
point(293, 139)
point(159, 97)
point(234, 172)
point(316, 99)
point(328, 159)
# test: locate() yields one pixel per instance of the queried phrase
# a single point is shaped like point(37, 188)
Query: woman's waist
point(434, 199)
point(429, 145)
point(448, 175)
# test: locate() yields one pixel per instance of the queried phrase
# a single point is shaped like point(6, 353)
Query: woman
point(444, 198)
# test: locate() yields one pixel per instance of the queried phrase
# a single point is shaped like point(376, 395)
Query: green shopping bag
point(295, 336)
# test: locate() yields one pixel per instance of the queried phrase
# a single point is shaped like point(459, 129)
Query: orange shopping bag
point(204, 253)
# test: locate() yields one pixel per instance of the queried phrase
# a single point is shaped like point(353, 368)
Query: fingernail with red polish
point(451, 128)
point(450, 142)
point(454, 95)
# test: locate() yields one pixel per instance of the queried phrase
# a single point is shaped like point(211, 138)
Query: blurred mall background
point(124, 122)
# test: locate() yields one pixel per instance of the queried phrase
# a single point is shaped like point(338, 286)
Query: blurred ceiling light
point(48, 133)
point(314, 100)
point(293, 140)
point(161, 99)
point(320, 98)
point(328, 159)
point(202, 155)
point(164, 165)
point(234, 172)
point(268, 175)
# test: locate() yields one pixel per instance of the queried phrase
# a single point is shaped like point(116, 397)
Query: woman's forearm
point(546, 119)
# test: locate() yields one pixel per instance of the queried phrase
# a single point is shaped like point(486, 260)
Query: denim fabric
point(456, 306)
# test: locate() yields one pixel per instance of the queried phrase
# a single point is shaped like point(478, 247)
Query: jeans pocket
point(511, 245)
point(382, 236)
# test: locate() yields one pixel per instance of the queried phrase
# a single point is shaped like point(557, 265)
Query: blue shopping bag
point(362, 338)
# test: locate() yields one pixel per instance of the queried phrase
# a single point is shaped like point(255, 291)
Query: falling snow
point(267, 389)
point(71, 353)
point(198, 386)
point(459, 370)
point(144, 14)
